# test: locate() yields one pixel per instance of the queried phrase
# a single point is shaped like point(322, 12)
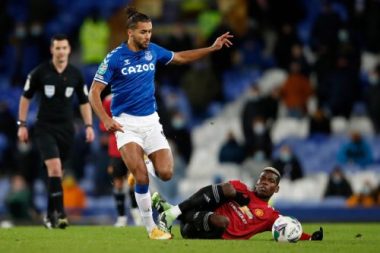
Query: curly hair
point(133, 17)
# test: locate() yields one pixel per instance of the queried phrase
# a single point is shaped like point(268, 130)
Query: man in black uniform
point(55, 81)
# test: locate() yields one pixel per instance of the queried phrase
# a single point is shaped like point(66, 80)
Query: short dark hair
point(274, 171)
point(133, 17)
point(59, 36)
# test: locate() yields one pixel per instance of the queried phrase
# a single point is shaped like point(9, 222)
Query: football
point(286, 229)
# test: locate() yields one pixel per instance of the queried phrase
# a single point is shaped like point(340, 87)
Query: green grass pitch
point(339, 237)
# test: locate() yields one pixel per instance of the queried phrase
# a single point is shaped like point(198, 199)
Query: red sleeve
point(102, 127)
point(305, 237)
point(239, 185)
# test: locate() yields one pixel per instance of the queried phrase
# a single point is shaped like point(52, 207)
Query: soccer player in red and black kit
point(56, 81)
point(226, 211)
point(118, 170)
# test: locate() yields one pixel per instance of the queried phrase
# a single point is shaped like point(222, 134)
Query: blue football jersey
point(131, 76)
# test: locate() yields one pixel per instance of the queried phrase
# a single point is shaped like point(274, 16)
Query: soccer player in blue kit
point(129, 69)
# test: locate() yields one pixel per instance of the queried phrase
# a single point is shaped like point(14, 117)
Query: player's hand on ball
point(317, 235)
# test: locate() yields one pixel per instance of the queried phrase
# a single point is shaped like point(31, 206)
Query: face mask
point(253, 96)
point(337, 179)
point(366, 190)
point(285, 156)
point(258, 128)
point(20, 32)
point(343, 35)
point(172, 102)
point(373, 79)
point(178, 123)
point(36, 30)
point(259, 156)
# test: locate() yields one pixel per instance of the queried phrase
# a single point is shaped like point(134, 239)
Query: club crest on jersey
point(49, 90)
point(69, 91)
point(258, 212)
point(148, 56)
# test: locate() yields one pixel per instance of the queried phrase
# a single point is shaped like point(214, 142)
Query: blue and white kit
point(131, 76)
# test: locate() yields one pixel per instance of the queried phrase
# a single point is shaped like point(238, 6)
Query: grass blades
point(338, 237)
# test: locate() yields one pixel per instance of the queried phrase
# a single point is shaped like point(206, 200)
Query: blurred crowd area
point(304, 73)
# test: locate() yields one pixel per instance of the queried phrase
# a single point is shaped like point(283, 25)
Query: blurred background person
point(296, 91)
point(356, 151)
point(74, 198)
point(319, 123)
point(338, 185)
point(288, 164)
point(17, 201)
point(55, 81)
point(258, 139)
point(231, 150)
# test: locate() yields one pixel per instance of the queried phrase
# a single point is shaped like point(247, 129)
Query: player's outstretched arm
point(188, 56)
point(223, 40)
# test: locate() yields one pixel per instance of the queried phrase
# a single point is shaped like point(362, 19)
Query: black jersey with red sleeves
point(246, 221)
point(56, 91)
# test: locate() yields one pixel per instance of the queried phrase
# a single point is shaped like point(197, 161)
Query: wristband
point(88, 125)
point(21, 123)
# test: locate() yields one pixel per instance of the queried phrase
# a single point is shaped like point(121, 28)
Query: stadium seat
point(339, 125)
point(369, 61)
point(310, 188)
point(358, 177)
point(289, 127)
point(236, 82)
point(362, 124)
point(188, 187)
point(271, 79)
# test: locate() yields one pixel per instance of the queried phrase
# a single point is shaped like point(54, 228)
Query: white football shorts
point(146, 131)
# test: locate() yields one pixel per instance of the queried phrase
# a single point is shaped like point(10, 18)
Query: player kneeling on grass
point(226, 211)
